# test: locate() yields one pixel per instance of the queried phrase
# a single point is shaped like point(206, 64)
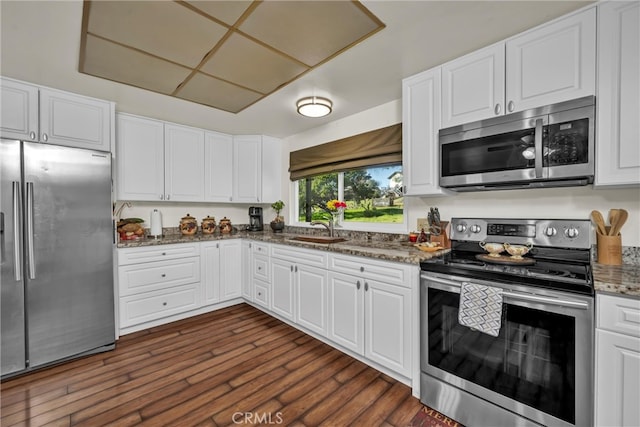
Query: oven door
point(539, 366)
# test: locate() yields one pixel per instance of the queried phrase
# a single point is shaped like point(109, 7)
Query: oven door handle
point(453, 286)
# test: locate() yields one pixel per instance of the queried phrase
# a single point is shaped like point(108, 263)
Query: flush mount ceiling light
point(314, 106)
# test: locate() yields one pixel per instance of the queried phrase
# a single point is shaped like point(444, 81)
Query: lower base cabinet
point(617, 361)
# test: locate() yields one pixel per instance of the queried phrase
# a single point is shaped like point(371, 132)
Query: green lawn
point(381, 214)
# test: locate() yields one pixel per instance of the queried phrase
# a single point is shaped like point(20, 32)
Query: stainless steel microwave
point(551, 146)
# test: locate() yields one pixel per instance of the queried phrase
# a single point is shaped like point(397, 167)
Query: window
point(372, 195)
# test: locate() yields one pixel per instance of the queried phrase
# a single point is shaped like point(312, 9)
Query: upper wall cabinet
point(31, 113)
point(421, 121)
point(548, 64)
point(618, 103)
point(247, 168)
point(183, 163)
point(218, 172)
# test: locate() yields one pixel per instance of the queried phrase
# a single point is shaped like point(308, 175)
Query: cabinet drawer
point(261, 293)
point(619, 314)
point(136, 309)
point(300, 256)
point(156, 253)
point(260, 248)
point(261, 268)
point(388, 272)
point(151, 276)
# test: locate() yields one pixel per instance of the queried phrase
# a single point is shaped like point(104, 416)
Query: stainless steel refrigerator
point(56, 249)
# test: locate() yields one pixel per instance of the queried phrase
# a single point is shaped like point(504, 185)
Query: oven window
point(531, 361)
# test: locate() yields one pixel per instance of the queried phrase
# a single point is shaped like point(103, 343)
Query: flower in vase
point(335, 205)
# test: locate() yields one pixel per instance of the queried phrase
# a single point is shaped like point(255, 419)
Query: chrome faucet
point(328, 226)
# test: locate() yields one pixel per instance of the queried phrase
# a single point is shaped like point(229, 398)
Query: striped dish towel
point(480, 308)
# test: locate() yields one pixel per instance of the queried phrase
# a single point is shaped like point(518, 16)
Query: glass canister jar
point(188, 225)
point(208, 225)
point(225, 225)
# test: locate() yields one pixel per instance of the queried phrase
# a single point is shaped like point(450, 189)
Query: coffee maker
point(255, 219)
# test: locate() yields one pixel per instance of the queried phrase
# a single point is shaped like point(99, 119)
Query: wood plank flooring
point(235, 366)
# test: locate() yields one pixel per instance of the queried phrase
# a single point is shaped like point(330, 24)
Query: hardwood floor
point(236, 364)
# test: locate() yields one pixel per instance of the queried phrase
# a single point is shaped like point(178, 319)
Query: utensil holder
point(442, 239)
point(609, 249)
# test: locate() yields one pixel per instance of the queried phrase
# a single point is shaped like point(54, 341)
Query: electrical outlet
point(422, 223)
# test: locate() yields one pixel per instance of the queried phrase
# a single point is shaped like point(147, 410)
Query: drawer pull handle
point(366, 286)
point(361, 269)
point(163, 275)
point(358, 285)
point(164, 303)
point(164, 253)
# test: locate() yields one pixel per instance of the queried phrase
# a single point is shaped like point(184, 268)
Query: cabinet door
point(421, 120)
point(346, 315)
point(19, 110)
point(553, 63)
point(139, 158)
point(74, 120)
point(184, 163)
point(388, 325)
point(618, 103)
point(271, 169)
point(311, 299)
point(247, 168)
point(473, 86)
point(210, 259)
point(617, 385)
point(230, 269)
point(282, 288)
point(247, 277)
point(218, 171)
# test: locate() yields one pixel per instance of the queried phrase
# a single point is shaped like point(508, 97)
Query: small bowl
point(516, 251)
point(494, 249)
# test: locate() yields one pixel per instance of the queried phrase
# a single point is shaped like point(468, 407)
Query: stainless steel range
point(526, 359)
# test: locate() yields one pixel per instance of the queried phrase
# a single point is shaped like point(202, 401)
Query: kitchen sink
point(318, 239)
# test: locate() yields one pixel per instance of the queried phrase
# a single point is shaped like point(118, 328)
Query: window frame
point(346, 225)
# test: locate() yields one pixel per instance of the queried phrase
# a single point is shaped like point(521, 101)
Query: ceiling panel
point(114, 62)
point(226, 11)
point(207, 90)
point(309, 31)
point(249, 64)
point(145, 43)
point(162, 28)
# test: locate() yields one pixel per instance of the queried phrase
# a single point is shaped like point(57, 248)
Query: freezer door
point(68, 246)
point(12, 327)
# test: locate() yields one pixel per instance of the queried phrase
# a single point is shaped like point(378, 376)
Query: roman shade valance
point(374, 148)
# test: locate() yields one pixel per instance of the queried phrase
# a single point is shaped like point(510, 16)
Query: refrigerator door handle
point(17, 256)
point(30, 251)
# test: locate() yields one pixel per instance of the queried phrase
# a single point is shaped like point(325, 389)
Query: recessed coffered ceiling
point(224, 54)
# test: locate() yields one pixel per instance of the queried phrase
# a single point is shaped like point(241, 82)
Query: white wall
point(552, 203)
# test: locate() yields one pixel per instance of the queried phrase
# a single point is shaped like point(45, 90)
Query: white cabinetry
point(617, 361)
point(32, 113)
point(184, 163)
point(618, 99)
point(421, 121)
point(230, 269)
point(370, 309)
point(261, 275)
point(271, 181)
point(551, 63)
point(140, 158)
point(247, 168)
point(156, 282)
point(299, 286)
point(218, 155)
point(247, 277)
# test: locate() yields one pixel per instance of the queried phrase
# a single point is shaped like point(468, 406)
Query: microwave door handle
point(538, 148)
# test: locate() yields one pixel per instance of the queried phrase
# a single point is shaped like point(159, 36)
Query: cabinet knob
point(511, 106)
point(259, 268)
point(292, 268)
point(361, 269)
point(366, 286)
point(162, 197)
point(358, 285)
point(497, 109)
point(259, 294)
point(32, 135)
point(45, 137)
point(164, 253)
point(296, 269)
point(164, 303)
point(163, 275)
point(168, 196)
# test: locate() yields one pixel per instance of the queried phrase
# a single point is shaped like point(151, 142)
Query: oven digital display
point(517, 230)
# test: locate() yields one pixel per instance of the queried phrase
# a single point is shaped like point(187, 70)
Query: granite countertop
point(617, 279)
point(389, 250)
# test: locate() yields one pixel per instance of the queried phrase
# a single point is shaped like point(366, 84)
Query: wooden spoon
point(613, 218)
point(599, 220)
point(622, 218)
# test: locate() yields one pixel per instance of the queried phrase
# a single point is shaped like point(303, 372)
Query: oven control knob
point(550, 231)
point(475, 228)
point(461, 228)
point(571, 232)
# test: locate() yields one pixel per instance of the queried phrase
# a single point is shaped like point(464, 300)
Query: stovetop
point(563, 264)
